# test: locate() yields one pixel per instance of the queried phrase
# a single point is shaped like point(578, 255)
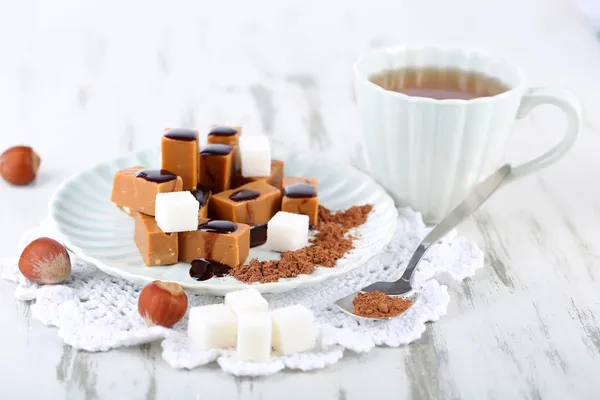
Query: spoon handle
point(481, 192)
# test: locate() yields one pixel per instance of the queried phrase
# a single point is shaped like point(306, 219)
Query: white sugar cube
point(212, 327)
point(176, 212)
point(254, 337)
point(246, 301)
point(287, 231)
point(293, 329)
point(255, 155)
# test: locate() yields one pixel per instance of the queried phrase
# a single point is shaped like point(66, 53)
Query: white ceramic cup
point(429, 153)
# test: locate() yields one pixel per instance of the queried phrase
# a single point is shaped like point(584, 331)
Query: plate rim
point(205, 287)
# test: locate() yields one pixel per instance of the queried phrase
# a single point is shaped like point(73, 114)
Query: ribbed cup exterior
point(428, 153)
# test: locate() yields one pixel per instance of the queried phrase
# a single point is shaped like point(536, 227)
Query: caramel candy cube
point(254, 203)
point(203, 213)
point(179, 150)
point(300, 197)
point(156, 247)
point(275, 179)
point(202, 194)
point(216, 165)
point(228, 135)
point(225, 242)
point(136, 188)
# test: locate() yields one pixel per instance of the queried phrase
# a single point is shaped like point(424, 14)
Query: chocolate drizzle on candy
point(300, 191)
point(218, 226)
point(156, 175)
point(216, 149)
point(203, 269)
point(201, 194)
point(258, 235)
point(244, 194)
point(186, 135)
point(223, 131)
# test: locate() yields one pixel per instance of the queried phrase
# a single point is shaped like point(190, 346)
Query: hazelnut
point(45, 261)
point(162, 303)
point(19, 165)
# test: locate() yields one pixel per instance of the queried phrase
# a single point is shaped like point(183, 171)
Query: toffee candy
point(255, 156)
point(176, 212)
point(287, 232)
point(254, 337)
point(300, 197)
point(216, 165)
point(253, 204)
point(212, 327)
point(246, 301)
point(136, 188)
point(222, 241)
point(228, 135)
point(223, 134)
point(202, 194)
point(156, 247)
point(179, 149)
point(293, 330)
point(275, 179)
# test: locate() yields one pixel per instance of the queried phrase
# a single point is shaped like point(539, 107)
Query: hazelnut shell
point(162, 303)
point(45, 261)
point(19, 165)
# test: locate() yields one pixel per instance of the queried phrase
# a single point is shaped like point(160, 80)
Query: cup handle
point(570, 105)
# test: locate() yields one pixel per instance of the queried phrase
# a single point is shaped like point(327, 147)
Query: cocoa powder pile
point(379, 305)
point(329, 245)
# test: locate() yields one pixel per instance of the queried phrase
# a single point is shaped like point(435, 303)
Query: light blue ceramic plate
point(96, 230)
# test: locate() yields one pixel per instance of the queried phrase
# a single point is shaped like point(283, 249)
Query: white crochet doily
point(97, 312)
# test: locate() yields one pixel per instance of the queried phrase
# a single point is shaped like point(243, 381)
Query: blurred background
point(591, 10)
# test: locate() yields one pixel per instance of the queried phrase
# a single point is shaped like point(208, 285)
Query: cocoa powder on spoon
point(379, 305)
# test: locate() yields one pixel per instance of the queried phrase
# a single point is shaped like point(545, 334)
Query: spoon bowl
point(345, 304)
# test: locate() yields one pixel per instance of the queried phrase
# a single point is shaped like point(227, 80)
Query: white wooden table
point(82, 83)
